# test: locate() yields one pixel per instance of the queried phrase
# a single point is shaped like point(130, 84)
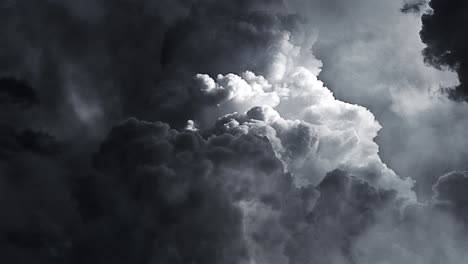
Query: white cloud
point(310, 130)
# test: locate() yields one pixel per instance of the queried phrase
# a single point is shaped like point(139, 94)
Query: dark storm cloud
point(157, 194)
point(17, 98)
point(450, 194)
point(39, 142)
point(175, 189)
point(354, 222)
point(69, 58)
point(208, 33)
point(346, 208)
point(13, 91)
point(39, 215)
point(444, 34)
point(153, 194)
point(123, 59)
point(403, 237)
point(92, 63)
point(160, 199)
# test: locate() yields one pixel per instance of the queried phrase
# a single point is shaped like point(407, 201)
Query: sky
point(233, 132)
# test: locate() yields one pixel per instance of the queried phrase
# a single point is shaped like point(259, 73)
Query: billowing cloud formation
point(166, 196)
point(108, 60)
point(372, 57)
point(311, 131)
point(154, 195)
point(346, 208)
point(271, 167)
point(404, 239)
point(449, 193)
point(443, 33)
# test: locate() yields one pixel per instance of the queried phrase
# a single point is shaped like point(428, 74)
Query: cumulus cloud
point(311, 131)
point(257, 161)
point(158, 194)
point(109, 60)
point(404, 238)
point(372, 57)
point(449, 194)
point(154, 194)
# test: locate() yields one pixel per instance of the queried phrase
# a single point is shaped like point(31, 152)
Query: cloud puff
point(450, 194)
point(311, 131)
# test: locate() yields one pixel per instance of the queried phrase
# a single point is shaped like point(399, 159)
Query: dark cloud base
point(159, 195)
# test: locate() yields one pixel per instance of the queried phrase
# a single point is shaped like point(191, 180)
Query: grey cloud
point(208, 34)
point(162, 195)
point(346, 208)
point(405, 237)
point(153, 194)
point(13, 91)
point(371, 53)
point(109, 60)
point(450, 194)
point(131, 59)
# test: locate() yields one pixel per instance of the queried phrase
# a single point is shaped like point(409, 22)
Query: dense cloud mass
point(443, 32)
point(157, 131)
point(326, 133)
point(372, 57)
point(16, 92)
point(449, 193)
point(83, 58)
point(160, 195)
